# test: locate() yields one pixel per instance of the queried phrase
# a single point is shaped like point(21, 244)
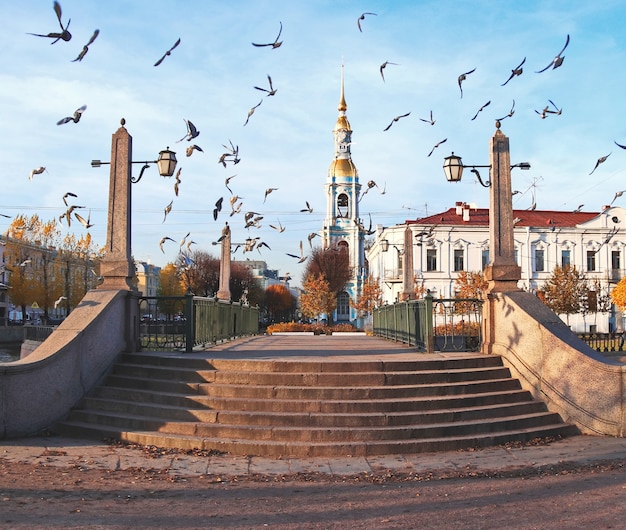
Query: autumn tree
point(370, 298)
point(279, 303)
point(169, 283)
point(333, 264)
point(618, 295)
point(470, 284)
point(317, 297)
point(566, 290)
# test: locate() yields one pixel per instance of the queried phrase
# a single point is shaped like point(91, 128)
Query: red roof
point(533, 218)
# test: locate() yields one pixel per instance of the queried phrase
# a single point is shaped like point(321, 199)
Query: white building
point(457, 240)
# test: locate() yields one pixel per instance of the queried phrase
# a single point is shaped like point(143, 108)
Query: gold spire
point(342, 100)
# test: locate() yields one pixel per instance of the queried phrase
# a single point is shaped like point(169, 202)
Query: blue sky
point(288, 143)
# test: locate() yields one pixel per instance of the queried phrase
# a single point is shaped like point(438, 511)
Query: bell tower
point(342, 223)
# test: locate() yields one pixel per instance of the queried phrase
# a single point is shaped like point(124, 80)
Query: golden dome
point(342, 167)
point(342, 123)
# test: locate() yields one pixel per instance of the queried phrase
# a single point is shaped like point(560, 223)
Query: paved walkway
point(64, 452)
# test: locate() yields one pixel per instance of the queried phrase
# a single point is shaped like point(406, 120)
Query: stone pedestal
point(224, 289)
point(117, 267)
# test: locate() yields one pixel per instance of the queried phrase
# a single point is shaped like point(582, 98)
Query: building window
point(591, 260)
point(566, 258)
point(458, 259)
point(539, 265)
point(615, 260)
point(343, 306)
point(431, 259)
point(342, 205)
point(485, 257)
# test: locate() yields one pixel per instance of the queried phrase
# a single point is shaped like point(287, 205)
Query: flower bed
point(317, 329)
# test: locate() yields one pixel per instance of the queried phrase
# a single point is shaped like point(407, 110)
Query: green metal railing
point(432, 324)
point(182, 323)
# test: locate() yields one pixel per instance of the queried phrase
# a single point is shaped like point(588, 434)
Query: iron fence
point(442, 324)
point(604, 342)
point(181, 323)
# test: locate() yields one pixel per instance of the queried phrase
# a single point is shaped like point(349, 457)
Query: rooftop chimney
point(466, 212)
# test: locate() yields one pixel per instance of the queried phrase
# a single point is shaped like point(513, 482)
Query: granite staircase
point(305, 407)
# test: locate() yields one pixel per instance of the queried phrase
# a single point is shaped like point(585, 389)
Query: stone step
point(314, 419)
point(326, 378)
point(381, 405)
point(276, 449)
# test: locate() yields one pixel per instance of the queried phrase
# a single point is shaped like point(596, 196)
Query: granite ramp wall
point(40, 389)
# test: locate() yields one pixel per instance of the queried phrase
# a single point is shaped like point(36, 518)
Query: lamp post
point(117, 267)
point(502, 272)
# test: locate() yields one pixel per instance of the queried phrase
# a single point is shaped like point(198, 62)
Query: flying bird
point(168, 52)
point(192, 131)
point(75, 117)
point(85, 222)
point(556, 110)
point(85, 49)
point(162, 242)
point(177, 181)
point(227, 181)
point(251, 112)
point(383, 66)
point(68, 194)
point(308, 208)
point(618, 194)
point(59, 300)
point(481, 109)
point(620, 145)
point(37, 171)
point(362, 17)
point(370, 184)
point(280, 228)
point(437, 145)
point(301, 258)
point(310, 237)
point(64, 35)
point(462, 78)
point(189, 151)
point(271, 91)
point(601, 160)
point(184, 240)
point(558, 60)
point(395, 120)
point(580, 207)
point(276, 42)
point(218, 207)
point(510, 114)
point(430, 121)
point(268, 191)
point(516, 71)
point(167, 210)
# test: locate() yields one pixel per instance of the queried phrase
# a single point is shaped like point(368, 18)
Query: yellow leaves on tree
point(370, 298)
point(618, 295)
point(470, 284)
point(317, 298)
point(279, 302)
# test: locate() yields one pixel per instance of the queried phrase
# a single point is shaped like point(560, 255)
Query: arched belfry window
point(342, 205)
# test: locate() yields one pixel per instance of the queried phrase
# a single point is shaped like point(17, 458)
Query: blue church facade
point(342, 222)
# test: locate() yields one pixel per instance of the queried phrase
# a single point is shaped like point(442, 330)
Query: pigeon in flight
point(618, 194)
point(280, 228)
point(619, 145)
point(68, 194)
point(362, 17)
point(167, 210)
point(162, 242)
point(301, 258)
point(276, 42)
point(192, 131)
point(437, 145)
point(189, 151)
point(429, 121)
point(75, 118)
point(558, 60)
point(510, 114)
point(168, 52)
point(251, 112)
point(218, 208)
point(271, 91)
point(85, 222)
point(601, 160)
point(267, 192)
point(85, 49)
point(59, 300)
point(383, 66)
point(395, 120)
point(308, 208)
point(462, 78)
point(481, 109)
point(64, 35)
point(37, 171)
point(516, 71)
point(177, 181)
point(227, 181)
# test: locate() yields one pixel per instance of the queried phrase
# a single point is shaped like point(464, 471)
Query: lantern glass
point(453, 168)
point(167, 163)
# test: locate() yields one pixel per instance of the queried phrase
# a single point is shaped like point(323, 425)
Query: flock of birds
point(231, 156)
